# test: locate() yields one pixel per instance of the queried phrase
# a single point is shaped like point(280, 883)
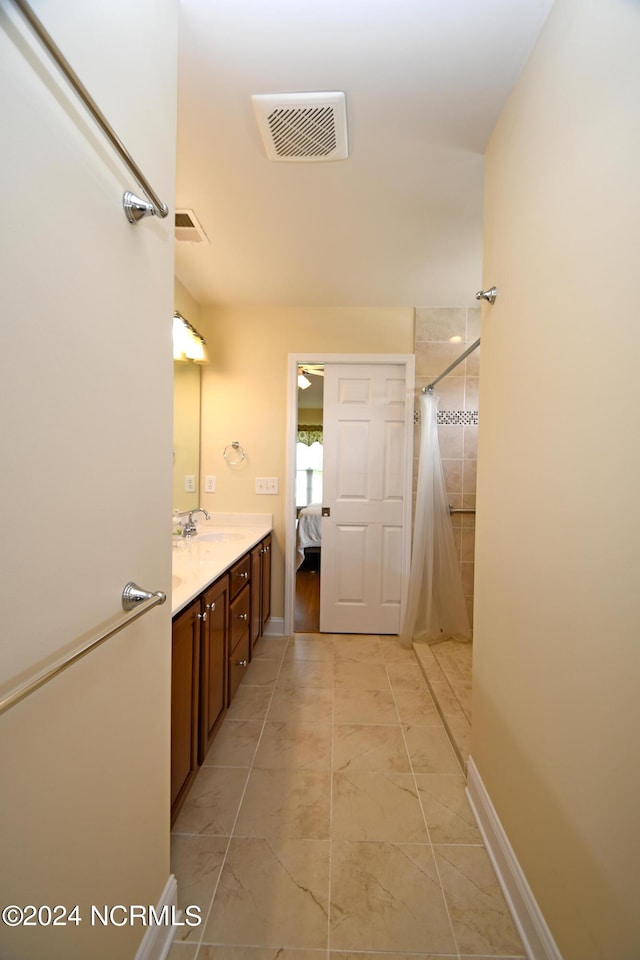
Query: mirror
point(186, 436)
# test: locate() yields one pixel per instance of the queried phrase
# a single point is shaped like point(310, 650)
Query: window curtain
point(310, 434)
point(436, 607)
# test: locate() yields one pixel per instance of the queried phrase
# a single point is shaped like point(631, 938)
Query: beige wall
point(458, 393)
point(244, 393)
point(556, 710)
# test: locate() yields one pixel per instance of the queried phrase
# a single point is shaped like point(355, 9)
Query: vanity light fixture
point(188, 344)
point(303, 382)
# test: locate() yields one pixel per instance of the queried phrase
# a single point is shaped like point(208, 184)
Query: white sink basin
point(219, 537)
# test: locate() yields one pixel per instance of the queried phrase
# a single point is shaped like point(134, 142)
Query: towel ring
point(234, 453)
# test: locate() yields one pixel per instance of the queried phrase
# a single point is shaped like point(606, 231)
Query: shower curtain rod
point(451, 366)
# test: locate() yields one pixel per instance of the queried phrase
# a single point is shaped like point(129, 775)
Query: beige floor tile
point(350, 955)
point(361, 648)
point(359, 674)
point(262, 673)
point(427, 661)
point(376, 806)
point(306, 673)
point(392, 652)
point(430, 749)
point(297, 746)
point(447, 809)
point(235, 744)
point(182, 951)
point(273, 893)
point(213, 802)
point(481, 920)
point(250, 703)
point(270, 648)
point(370, 747)
point(293, 704)
point(364, 706)
point(417, 706)
point(309, 648)
point(285, 803)
point(196, 863)
point(406, 676)
point(462, 691)
point(447, 701)
point(387, 897)
point(226, 952)
point(460, 731)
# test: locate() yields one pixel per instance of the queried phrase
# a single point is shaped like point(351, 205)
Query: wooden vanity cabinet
point(239, 622)
point(211, 649)
point(213, 662)
point(260, 589)
point(266, 582)
point(185, 677)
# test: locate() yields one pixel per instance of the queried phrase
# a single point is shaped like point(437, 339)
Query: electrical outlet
point(189, 484)
point(209, 484)
point(268, 485)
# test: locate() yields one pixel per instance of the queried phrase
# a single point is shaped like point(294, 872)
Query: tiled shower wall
point(458, 392)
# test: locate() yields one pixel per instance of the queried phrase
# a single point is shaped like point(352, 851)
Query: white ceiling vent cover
point(302, 127)
point(188, 228)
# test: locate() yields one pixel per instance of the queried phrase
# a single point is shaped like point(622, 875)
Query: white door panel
point(365, 489)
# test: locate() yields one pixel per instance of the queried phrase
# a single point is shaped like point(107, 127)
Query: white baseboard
point(158, 940)
point(275, 627)
point(535, 934)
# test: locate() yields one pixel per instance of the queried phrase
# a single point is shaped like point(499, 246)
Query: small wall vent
point(188, 228)
point(302, 127)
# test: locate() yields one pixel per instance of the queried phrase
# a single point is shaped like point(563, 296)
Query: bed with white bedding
point(308, 531)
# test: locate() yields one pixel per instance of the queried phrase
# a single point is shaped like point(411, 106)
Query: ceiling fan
point(307, 370)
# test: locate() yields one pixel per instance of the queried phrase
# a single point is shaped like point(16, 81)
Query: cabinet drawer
point(239, 612)
point(238, 662)
point(240, 574)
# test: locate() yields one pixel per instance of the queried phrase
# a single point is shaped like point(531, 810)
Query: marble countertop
point(200, 560)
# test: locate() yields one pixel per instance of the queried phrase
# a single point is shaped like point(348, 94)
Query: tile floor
point(329, 821)
point(447, 669)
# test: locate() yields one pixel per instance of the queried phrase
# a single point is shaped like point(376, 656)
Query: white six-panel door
point(364, 497)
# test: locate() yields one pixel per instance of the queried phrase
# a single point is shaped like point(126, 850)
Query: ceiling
point(399, 222)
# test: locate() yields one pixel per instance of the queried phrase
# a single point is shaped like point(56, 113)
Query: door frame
point(319, 356)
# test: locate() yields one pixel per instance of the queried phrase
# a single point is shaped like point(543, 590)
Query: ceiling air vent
point(302, 126)
point(188, 228)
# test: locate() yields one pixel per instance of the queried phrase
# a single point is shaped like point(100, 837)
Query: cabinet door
point(213, 662)
point(185, 662)
point(266, 582)
point(239, 613)
point(256, 596)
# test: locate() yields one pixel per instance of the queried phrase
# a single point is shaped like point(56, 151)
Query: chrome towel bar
point(135, 602)
point(135, 207)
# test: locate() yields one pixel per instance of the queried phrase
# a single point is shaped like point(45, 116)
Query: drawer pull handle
point(243, 576)
point(210, 606)
point(243, 616)
point(202, 616)
point(241, 663)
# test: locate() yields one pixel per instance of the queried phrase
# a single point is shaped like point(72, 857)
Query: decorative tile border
point(453, 417)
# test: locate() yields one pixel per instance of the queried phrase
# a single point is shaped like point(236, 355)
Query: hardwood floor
point(307, 619)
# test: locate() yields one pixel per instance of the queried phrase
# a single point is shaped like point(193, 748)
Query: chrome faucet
point(189, 528)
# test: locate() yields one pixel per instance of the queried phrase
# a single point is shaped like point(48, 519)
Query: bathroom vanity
point(221, 602)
